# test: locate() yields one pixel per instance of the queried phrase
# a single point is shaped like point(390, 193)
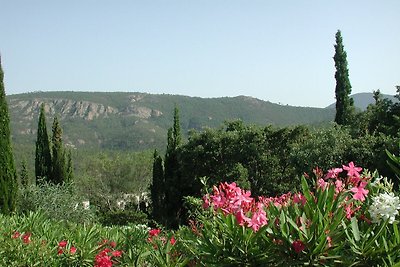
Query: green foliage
point(23, 175)
point(382, 117)
point(253, 156)
point(59, 171)
point(34, 240)
point(174, 193)
point(344, 104)
point(116, 183)
point(43, 163)
point(56, 201)
point(129, 129)
point(157, 188)
point(327, 228)
point(113, 173)
point(323, 148)
point(328, 237)
point(394, 162)
point(222, 242)
point(69, 168)
point(122, 217)
point(8, 176)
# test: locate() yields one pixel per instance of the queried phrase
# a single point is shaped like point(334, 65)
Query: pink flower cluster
point(231, 199)
point(62, 248)
point(155, 233)
point(105, 258)
point(26, 237)
point(298, 246)
point(353, 180)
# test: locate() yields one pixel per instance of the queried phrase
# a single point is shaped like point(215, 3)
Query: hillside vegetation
point(138, 121)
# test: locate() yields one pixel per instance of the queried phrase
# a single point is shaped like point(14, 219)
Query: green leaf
point(283, 225)
point(306, 189)
point(370, 242)
point(396, 232)
point(354, 228)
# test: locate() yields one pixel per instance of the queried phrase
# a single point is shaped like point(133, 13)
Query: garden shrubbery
point(345, 217)
point(56, 201)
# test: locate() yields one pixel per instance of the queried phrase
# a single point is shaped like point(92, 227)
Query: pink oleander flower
point(117, 253)
point(172, 241)
point(299, 198)
point(242, 199)
point(360, 192)
point(333, 173)
point(241, 217)
point(279, 201)
point(229, 198)
point(352, 170)
point(15, 235)
point(72, 250)
point(154, 232)
point(339, 186)
point(298, 246)
point(322, 184)
point(350, 209)
point(206, 202)
point(258, 220)
point(62, 243)
point(217, 198)
point(103, 261)
point(26, 238)
point(329, 239)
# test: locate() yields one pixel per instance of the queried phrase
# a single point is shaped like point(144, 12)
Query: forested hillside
point(138, 121)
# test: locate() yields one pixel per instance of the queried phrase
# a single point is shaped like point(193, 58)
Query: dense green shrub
point(122, 217)
point(59, 202)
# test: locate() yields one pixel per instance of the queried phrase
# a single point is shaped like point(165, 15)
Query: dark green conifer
point(42, 153)
point(8, 176)
point(23, 174)
point(174, 194)
point(59, 172)
point(70, 167)
point(157, 188)
point(344, 103)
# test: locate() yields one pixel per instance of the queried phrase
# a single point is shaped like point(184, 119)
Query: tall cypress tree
point(23, 174)
point(42, 152)
point(157, 188)
point(8, 176)
point(69, 167)
point(59, 171)
point(344, 103)
point(173, 194)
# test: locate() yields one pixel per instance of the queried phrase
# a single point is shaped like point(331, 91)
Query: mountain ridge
point(135, 120)
point(362, 100)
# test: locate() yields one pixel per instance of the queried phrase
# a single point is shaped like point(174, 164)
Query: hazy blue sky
point(280, 51)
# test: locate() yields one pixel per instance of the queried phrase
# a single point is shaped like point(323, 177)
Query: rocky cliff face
point(29, 109)
point(128, 118)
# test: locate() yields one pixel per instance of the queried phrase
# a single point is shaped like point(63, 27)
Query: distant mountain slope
point(362, 100)
point(122, 120)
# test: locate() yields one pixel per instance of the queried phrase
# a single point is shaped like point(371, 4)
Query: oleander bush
point(344, 217)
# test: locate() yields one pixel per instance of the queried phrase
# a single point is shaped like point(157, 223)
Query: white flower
point(385, 206)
